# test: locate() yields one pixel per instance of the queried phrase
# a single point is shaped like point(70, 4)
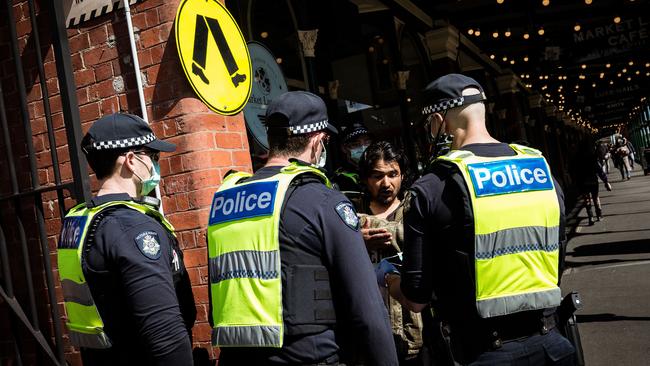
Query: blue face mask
point(355, 154)
point(150, 183)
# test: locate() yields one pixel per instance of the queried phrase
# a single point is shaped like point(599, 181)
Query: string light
point(540, 31)
point(505, 58)
point(546, 2)
point(608, 65)
point(525, 58)
point(492, 57)
point(507, 33)
point(470, 31)
point(617, 20)
point(631, 63)
point(624, 71)
point(512, 62)
point(500, 1)
point(588, 2)
point(526, 35)
point(577, 27)
point(477, 32)
point(495, 34)
point(583, 66)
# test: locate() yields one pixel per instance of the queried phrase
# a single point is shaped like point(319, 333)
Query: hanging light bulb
point(505, 58)
point(540, 31)
point(500, 1)
point(588, 2)
point(470, 31)
point(495, 34)
point(492, 57)
point(477, 32)
point(525, 58)
point(617, 19)
point(583, 66)
point(577, 27)
point(608, 65)
point(508, 33)
point(631, 63)
point(546, 2)
point(512, 62)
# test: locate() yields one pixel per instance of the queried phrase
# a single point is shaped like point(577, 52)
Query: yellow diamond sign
point(214, 55)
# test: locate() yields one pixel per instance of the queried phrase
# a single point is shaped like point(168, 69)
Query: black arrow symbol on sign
point(201, 46)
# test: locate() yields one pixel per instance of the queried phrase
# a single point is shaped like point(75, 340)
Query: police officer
point(127, 294)
point(288, 265)
point(354, 141)
point(483, 232)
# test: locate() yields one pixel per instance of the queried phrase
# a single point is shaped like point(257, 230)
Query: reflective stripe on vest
point(244, 259)
point(84, 323)
point(350, 175)
point(516, 225)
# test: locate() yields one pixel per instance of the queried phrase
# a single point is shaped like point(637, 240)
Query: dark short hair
point(381, 150)
point(102, 162)
point(283, 144)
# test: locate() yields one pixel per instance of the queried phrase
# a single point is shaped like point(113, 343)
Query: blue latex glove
point(385, 267)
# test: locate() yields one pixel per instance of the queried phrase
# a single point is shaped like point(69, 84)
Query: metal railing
point(18, 251)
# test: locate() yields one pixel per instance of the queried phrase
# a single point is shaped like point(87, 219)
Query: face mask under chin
point(149, 184)
point(322, 158)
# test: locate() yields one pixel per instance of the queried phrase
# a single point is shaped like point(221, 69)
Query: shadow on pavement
point(576, 234)
point(616, 247)
point(608, 317)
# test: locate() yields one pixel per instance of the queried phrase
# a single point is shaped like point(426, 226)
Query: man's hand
point(385, 267)
point(375, 238)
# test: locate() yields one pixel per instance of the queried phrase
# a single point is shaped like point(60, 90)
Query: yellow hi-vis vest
point(244, 259)
point(84, 323)
point(516, 230)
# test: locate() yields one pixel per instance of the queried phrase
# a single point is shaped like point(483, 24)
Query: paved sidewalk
point(609, 264)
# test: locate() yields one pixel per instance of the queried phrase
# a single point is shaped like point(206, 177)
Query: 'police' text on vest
point(510, 176)
point(251, 200)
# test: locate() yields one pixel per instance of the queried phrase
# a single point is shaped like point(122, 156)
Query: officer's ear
point(436, 122)
point(128, 161)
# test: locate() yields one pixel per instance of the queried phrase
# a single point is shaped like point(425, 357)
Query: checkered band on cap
point(120, 144)
point(442, 106)
point(356, 133)
point(312, 127)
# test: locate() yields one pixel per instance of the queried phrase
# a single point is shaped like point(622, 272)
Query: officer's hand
point(376, 238)
point(382, 270)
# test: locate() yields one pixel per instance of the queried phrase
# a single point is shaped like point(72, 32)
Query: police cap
point(446, 92)
point(122, 131)
point(355, 129)
point(298, 112)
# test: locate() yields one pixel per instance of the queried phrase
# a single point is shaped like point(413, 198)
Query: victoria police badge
point(348, 215)
point(147, 242)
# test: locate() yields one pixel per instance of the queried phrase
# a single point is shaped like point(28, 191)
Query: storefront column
point(537, 121)
point(507, 86)
point(443, 50)
point(308, 41)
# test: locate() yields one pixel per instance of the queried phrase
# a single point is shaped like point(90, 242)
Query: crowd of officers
point(356, 267)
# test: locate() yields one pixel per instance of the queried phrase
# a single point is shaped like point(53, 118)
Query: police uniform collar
point(105, 198)
point(304, 163)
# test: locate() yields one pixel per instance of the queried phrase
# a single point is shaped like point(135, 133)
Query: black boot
point(599, 213)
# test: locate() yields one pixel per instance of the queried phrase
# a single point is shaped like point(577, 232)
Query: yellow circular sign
point(214, 55)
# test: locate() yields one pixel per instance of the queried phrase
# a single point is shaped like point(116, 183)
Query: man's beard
point(386, 197)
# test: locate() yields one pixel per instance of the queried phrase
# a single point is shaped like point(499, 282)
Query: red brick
point(77, 61)
point(151, 16)
point(103, 89)
point(189, 219)
point(79, 42)
point(149, 4)
point(63, 154)
point(82, 96)
point(175, 164)
point(23, 27)
point(38, 126)
point(201, 292)
point(169, 204)
point(164, 167)
point(152, 74)
point(52, 86)
point(89, 112)
point(50, 69)
point(182, 204)
point(227, 140)
point(103, 71)
point(241, 158)
point(98, 35)
point(84, 77)
point(201, 332)
point(99, 55)
point(197, 160)
point(201, 198)
point(195, 257)
point(110, 105)
point(144, 58)
point(188, 240)
point(139, 21)
point(236, 123)
point(197, 141)
point(167, 13)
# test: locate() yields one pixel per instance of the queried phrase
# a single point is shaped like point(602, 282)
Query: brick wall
point(208, 144)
